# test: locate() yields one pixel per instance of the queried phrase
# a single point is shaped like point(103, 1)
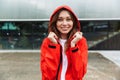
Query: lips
point(65, 28)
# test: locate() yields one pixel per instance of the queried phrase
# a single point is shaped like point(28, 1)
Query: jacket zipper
point(59, 62)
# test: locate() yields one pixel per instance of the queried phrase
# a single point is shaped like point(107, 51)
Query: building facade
point(24, 23)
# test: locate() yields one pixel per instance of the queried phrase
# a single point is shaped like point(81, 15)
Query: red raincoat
point(51, 58)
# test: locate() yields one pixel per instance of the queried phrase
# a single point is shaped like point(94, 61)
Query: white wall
point(42, 9)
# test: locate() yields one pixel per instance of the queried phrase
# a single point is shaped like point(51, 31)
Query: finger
point(55, 36)
point(81, 33)
point(55, 41)
point(73, 36)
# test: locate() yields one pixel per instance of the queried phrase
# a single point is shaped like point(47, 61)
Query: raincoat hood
point(70, 10)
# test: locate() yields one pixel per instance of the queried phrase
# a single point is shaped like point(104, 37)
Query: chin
point(65, 32)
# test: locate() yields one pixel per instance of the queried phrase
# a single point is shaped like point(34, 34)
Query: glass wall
point(29, 34)
point(102, 35)
point(22, 35)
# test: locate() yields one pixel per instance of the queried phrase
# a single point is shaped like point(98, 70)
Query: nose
point(64, 22)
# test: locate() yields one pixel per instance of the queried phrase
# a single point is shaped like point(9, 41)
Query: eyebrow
point(65, 17)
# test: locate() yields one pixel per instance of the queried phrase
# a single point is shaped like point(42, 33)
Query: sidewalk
point(25, 66)
point(101, 68)
point(19, 66)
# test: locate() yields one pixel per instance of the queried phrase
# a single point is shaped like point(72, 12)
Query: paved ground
point(19, 66)
point(113, 55)
point(100, 68)
point(25, 66)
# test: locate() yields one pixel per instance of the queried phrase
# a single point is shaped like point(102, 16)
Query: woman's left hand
point(76, 37)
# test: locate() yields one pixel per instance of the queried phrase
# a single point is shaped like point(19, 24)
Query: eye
point(69, 19)
point(59, 19)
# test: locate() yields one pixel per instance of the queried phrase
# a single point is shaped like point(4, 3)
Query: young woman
point(64, 52)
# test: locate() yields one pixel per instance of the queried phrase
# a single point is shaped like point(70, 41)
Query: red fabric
point(77, 57)
point(77, 61)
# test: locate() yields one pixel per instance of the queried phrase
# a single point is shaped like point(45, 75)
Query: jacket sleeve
point(79, 59)
point(49, 59)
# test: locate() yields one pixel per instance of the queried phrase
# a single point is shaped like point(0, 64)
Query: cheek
point(57, 25)
point(71, 24)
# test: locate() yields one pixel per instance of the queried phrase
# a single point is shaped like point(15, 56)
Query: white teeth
point(64, 28)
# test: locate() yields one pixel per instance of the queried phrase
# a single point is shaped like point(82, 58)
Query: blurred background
point(24, 25)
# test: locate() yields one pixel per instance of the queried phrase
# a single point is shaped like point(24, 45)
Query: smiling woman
point(64, 23)
point(64, 50)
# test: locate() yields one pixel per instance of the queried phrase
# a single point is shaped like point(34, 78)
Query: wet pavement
point(101, 68)
point(25, 66)
point(19, 66)
point(113, 55)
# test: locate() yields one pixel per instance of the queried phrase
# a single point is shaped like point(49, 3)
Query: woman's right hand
point(53, 37)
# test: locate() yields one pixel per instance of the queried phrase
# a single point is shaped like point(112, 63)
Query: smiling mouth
point(64, 28)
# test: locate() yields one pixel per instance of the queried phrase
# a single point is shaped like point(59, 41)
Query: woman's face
point(64, 23)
